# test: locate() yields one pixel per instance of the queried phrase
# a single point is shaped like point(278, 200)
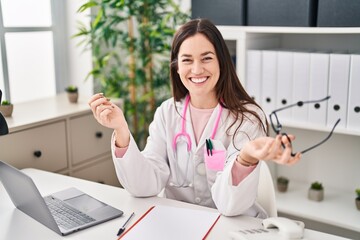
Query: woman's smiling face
point(198, 68)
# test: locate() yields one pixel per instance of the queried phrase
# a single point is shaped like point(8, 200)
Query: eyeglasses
point(277, 127)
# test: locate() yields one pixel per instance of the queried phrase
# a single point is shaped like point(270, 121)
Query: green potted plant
point(130, 42)
point(72, 92)
point(6, 108)
point(316, 191)
point(357, 199)
point(282, 184)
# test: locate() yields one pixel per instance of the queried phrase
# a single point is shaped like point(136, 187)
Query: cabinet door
point(40, 147)
point(89, 140)
point(101, 172)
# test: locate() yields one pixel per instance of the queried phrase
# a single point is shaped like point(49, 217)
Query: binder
point(284, 83)
point(253, 74)
point(166, 222)
point(353, 116)
point(319, 76)
point(268, 81)
point(338, 89)
point(301, 85)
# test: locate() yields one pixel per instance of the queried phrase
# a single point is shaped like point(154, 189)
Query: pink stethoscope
point(184, 134)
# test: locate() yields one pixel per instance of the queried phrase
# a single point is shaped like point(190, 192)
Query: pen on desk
point(122, 229)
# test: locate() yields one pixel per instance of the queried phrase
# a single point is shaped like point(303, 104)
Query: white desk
point(16, 225)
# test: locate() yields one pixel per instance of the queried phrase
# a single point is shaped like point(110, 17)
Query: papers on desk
point(164, 223)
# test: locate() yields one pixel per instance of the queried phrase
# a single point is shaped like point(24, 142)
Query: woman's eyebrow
point(186, 55)
point(202, 54)
point(206, 53)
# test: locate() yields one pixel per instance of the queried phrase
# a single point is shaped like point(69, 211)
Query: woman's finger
point(276, 145)
point(102, 107)
point(295, 159)
point(285, 138)
point(261, 151)
point(94, 98)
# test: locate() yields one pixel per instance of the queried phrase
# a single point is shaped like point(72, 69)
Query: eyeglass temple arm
point(300, 103)
point(327, 138)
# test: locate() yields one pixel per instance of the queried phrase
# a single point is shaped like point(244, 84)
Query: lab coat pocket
point(216, 161)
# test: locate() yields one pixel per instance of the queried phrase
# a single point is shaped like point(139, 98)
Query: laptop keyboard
point(65, 215)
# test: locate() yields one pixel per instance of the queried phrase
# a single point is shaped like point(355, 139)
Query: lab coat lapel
point(209, 127)
point(190, 129)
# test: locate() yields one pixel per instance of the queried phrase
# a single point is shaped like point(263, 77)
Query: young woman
point(205, 144)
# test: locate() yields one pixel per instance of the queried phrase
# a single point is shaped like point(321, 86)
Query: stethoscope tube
point(184, 134)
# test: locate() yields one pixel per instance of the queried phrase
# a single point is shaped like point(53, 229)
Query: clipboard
point(165, 222)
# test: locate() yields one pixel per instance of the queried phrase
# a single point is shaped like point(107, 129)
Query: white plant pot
point(357, 202)
point(6, 110)
point(316, 195)
point(73, 97)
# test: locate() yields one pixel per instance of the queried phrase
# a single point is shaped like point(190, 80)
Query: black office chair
point(3, 125)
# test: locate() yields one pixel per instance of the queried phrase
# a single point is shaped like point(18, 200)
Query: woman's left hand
point(270, 149)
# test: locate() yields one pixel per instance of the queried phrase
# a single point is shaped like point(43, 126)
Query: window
point(32, 40)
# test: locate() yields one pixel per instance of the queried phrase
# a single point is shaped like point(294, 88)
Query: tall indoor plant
point(130, 42)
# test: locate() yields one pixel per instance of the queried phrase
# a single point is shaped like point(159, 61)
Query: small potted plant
point(316, 191)
point(282, 184)
point(357, 199)
point(73, 93)
point(6, 108)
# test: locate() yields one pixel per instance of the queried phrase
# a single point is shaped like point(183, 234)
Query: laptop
point(64, 212)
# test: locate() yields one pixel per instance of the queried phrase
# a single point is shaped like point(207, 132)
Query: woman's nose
point(197, 68)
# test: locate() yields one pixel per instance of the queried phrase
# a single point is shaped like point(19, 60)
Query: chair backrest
point(266, 191)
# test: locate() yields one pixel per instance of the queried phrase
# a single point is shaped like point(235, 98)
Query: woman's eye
point(186, 60)
point(207, 58)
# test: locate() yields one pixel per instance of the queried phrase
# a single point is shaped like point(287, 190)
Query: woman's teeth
point(198, 80)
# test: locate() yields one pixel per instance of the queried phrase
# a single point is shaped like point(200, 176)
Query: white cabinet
point(55, 135)
point(336, 163)
point(89, 138)
point(102, 172)
point(39, 147)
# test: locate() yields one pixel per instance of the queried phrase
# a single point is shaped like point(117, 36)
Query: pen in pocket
point(209, 146)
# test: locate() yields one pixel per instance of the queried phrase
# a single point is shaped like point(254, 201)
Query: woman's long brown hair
point(229, 91)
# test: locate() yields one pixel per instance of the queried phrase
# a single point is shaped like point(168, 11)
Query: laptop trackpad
point(79, 200)
point(85, 203)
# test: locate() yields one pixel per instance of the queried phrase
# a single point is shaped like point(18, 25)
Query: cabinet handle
point(37, 154)
point(98, 134)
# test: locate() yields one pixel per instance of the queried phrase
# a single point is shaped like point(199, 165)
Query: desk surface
point(17, 225)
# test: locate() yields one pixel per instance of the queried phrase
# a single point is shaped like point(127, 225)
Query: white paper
point(164, 223)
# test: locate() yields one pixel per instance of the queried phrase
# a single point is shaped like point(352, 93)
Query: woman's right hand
point(110, 115)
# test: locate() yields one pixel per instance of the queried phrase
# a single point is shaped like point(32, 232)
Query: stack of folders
point(276, 78)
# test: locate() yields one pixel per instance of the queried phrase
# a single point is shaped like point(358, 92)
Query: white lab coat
point(148, 172)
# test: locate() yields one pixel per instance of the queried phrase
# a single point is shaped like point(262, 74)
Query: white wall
point(79, 61)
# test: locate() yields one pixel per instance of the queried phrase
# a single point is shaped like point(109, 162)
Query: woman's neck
point(203, 102)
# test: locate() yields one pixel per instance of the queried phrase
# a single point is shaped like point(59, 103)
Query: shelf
point(47, 109)
point(294, 30)
point(338, 207)
point(320, 128)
